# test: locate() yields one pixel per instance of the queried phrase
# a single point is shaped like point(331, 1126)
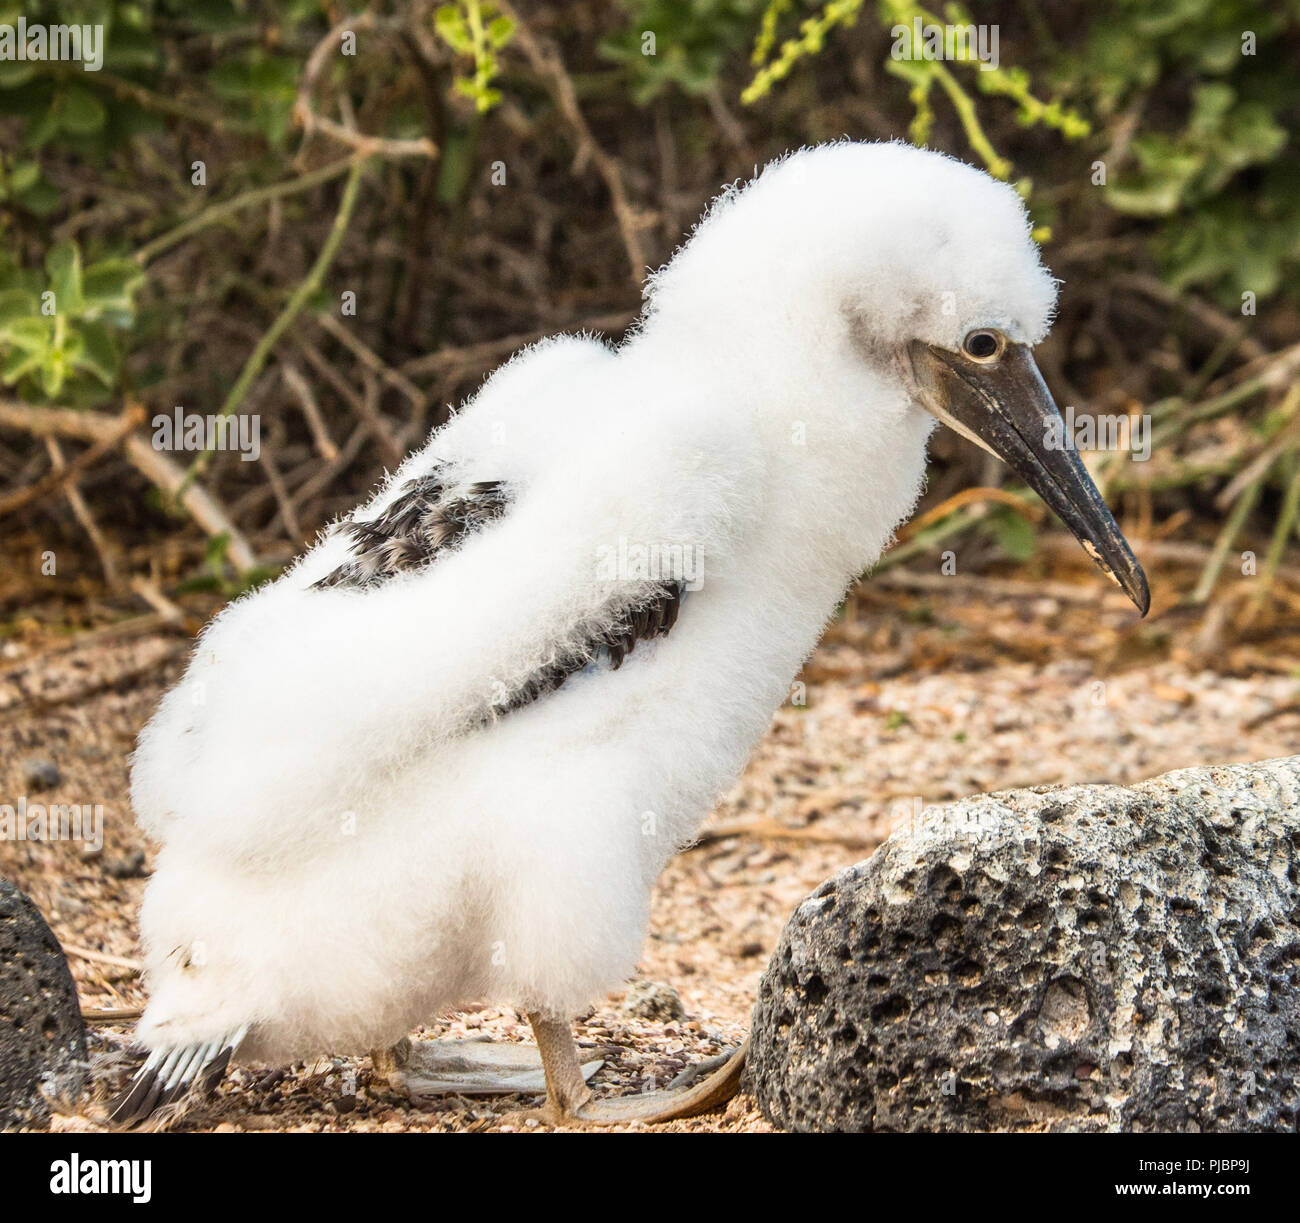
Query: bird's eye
point(982, 345)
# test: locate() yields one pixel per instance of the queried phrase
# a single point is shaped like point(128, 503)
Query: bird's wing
point(430, 517)
point(423, 521)
point(437, 609)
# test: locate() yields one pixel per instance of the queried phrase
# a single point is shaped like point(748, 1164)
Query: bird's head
point(915, 268)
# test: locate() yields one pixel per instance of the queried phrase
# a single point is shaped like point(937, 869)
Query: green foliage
point(264, 86)
point(58, 332)
point(96, 113)
point(680, 44)
point(1012, 532)
point(1198, 92)
point(1238, 242)
point(1137, 43)
point(23, 187)
point(1222, 137)
point(1210, 165)
point(921, 75)
point(53, 108)
point(812, 36)
point(215, 574)
point(474, 29)
point(67, 346)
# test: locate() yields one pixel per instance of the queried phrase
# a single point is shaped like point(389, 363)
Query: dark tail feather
point(169, 1073)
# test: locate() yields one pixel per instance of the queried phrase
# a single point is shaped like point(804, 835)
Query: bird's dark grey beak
point(1002, 404)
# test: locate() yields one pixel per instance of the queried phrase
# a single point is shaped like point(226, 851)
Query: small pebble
point(130, 866)
point(40, 773)
point(653, 1000)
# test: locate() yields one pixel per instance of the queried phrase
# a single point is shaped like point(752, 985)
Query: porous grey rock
point(42, 1037)
point(1062, 958)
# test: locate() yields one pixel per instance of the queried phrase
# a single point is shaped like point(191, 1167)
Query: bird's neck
point(843, 445)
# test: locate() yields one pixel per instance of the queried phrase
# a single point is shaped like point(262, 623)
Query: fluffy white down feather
point(341, 857)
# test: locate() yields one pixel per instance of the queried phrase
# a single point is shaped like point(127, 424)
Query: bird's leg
point(388, 1062)
point(566, 1089)
point(569, 1100)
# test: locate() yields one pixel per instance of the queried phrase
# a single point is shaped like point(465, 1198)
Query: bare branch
point(129, 420)
point(152, 464)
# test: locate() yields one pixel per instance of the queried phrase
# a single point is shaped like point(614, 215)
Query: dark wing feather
point(168, 1076)
point(650, 617)
point(427, 519)
point(424, 520)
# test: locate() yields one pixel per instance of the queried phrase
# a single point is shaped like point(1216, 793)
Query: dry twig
point(102, 957)
point(372, 361)
point(304, 112)
point(152, 464)
point(121, 1014)
point(325, 445)
point(81, 511)
point(58, 476)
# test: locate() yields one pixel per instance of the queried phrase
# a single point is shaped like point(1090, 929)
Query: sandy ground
point(910, 701)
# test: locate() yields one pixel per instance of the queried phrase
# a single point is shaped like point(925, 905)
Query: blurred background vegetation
point(478, 175)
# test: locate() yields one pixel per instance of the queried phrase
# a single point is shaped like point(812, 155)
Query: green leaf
point(80, 112)
point(262, 83)
point(213, 16)
point(214, 554)
point(109, 285)
point(16, 304)
point(1014, 535)
point(127, 50)
point(45, 128)
point(23, 176)
point(18, 365)
point(63, 266)
point(41, 199)
point(1153, 199)
point(98, 354)
point(451, 28)
point(53, 373)
point(455, 165)
point(29, 335)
